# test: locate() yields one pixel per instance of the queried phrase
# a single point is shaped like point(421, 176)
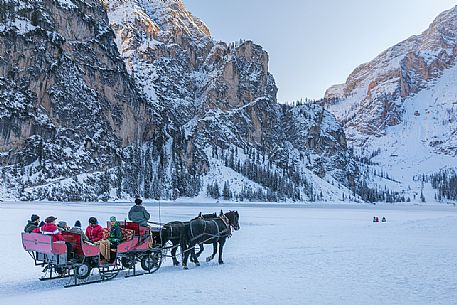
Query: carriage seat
point(135, 227)
point(42, 243)
point(79, 246)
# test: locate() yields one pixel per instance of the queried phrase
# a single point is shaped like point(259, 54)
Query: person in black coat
point(33, 223)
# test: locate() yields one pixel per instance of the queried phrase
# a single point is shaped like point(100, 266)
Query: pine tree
point(217, 193)
point(226, 191)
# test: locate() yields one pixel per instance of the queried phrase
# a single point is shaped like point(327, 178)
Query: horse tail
point(184, 238)
point(165, 234)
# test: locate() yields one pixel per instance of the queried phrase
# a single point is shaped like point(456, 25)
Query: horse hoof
point(185, 268)
point(221, 262)
point(197, 264)
point(176, 264)
point(208, 259)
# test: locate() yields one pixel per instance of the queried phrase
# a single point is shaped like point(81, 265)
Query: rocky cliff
point(221, 95)
point(372, 98)
point(108, 99)
point(399, 110)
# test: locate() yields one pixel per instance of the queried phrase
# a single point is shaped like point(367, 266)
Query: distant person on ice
point(139, 214)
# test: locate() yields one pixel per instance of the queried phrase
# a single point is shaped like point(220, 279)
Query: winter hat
point(138, 201)
point(62, 224)
point(93, 220)
point(113, 219)
point(50, 219)
point(34, 217)
point(77, 224)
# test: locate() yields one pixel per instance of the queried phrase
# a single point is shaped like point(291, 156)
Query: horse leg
point(193, 257)
point(209, 258)
point(221, 246)
point(185, 253)
point(173, 254)
point(200, 251)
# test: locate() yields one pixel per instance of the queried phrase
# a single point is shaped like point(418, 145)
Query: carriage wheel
point(151, 262)
point(109, 274)
point(82, 271)
point(128, 261)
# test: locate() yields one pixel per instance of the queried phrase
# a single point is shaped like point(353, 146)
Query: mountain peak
point(442, 32)
point(447, 17)
point(402, 103)
point(162, 19)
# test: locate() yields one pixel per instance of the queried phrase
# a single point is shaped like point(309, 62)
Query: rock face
point(223, 98)
point(372, 98)
point(399, 110)
point(108, 99)
point(68, 104)
point(179, 67)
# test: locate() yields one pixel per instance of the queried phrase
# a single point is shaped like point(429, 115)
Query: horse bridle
point(228, 224)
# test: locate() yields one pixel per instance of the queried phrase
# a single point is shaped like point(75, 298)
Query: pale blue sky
point(315, 44)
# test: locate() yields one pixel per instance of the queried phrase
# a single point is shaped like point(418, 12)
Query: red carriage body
point(142, 246)
point(42, 243)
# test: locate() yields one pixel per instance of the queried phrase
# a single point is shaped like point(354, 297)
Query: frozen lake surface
point(281, 255)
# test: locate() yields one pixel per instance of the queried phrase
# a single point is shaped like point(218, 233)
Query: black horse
point(208, 231)
point(200, 246)
point(172, 232)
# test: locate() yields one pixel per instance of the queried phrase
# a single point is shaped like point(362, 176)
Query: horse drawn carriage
point(77, 260)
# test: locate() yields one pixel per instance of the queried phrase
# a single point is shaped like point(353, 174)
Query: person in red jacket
point(94, 231)
point(50, 228)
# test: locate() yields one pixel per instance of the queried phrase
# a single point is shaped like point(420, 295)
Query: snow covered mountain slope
point(159, 109)
point(179, 67)
point(223, 99)
point(426, 140)
point(372, 97)
point(67, 103)
point(399, 110)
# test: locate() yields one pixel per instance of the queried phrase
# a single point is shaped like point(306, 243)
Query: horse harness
point(220, 234)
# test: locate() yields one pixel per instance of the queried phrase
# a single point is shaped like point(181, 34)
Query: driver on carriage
point(139, 214)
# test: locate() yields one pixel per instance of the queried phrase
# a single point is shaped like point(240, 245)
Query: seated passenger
point(77, 229)
point(33, 223)
point(62, 226)
point(95, 234)
point(94, 231)
point(115, 232)
point(50, 228)
point(139, 214)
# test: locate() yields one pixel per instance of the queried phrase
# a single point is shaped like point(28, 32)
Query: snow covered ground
point(330, 254)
